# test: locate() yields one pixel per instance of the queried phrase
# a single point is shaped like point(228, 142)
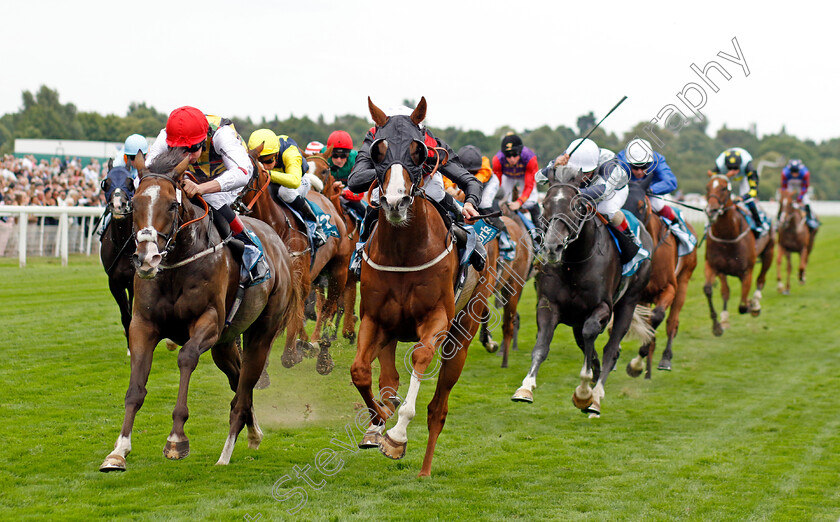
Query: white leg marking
point(529, 383)
point(407, 411)
point(123, 446)
point(227, 451)
point(636, 363)
point(175, 438)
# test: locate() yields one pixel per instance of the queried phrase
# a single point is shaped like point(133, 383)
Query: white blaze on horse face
point(395, 190)
point(153, 193)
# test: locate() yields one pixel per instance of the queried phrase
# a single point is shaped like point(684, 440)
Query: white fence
point(21, 229)
point(84, 230)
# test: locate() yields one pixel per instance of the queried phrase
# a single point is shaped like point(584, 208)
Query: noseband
point(150, 234)
point(575, 227)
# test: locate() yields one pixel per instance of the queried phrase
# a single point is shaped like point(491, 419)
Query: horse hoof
point(391, 448)
point(582, 404)
point(307, 349)
point(755, 312)
point(113, 463)
point(594, 415)
point(717, 329)
point(492, 347)
point(780, 287)
point(291, 358)
point(785, 292)
point(523, 395)
point(664, 365)
point(350, 336)
point(263, 382)
point(742, 309)
point(594, 410)
point(372, 439)
point(633, 372)
point(176, 450)
point(325, 363)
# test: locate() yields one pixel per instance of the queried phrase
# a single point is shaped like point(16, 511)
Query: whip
point(597, 124)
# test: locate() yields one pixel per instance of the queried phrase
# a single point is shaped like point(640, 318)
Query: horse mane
point(166, 162)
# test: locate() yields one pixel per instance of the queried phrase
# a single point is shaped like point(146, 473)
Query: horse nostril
point(405, 202)
point(135, 260)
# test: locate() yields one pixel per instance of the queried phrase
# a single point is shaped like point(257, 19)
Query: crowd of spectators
point(58, 182)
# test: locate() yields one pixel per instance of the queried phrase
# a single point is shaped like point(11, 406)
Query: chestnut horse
point(580, 284)
point(732, 250)
point(669, 276)
point(331, 258)
point(118, 242)
point(407, 292)
point(189, 299)
point(794, 236)
point(510, 281)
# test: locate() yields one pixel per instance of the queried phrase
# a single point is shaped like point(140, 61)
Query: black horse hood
point(119, 178)
point(399, 133)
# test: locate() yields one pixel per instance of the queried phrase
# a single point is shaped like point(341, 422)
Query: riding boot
point(250, 257)
point(306, 212)
point(759, 224)
point(536, 232)
point(478, 257)
point(809, 217)
point(367, 226)
point(630, 245)
point(453, 207)
point(496, 222)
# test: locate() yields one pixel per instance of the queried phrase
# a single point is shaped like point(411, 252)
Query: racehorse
point(732, 250)
point(794, 236)
point(580, 285)
point(332, 258)
point(669, 276)
point(510, 281)
point(346, 309)
point(407, 292)
point(118, 242)
point(189, 299)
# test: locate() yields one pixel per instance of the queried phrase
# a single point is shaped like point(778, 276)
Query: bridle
point(575, 227)
point(724, 204)
point(150, 234)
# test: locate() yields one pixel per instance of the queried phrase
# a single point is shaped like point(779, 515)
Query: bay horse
point(346, 309)
point(189, 298)
point(795, 236)
point(580, 285)
point(407, 292)
point(332, 259)
point(669, 277)
point(732, 250)
point(510, 281)
point(118, 242)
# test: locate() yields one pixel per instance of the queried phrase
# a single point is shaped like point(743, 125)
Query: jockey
point(133, 143)
point(284, 163)
point(796, 173)
point(605, 183)
point(479, 166)
point(737, 163)
point(221, 165)
point(516, 165)
point(364, 173)
point(641, 161)
point(341, 162)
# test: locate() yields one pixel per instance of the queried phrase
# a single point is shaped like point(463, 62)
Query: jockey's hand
point(514, 205)
point(562, 159)
point(337, 186)
point(190, 187)
point(732, 173)
point(469, 212)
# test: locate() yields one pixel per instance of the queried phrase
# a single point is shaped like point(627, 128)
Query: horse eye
point(173, 206)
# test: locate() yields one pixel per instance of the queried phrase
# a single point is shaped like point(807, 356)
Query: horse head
point(565, 211)
point(789, 209)
point(398, 153)
point(637, 201)
point(118, 188)
point(718, 196)
point(158, 210)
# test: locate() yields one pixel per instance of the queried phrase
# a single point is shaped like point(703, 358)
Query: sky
point(480, 65)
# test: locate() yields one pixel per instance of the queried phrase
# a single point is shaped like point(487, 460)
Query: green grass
point(747, 426)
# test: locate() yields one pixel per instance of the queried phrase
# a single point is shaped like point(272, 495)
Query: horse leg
point(673, 324)
point(486, 338)
point(142, 338)
point(395, 440)
point(256, 345)
point(584, 398)
point(118, 290)
point(746, 284)
point(717, 328)
point(372, 339)
point(335, 289)
point(389, 379)
point(203, 335)
point(803, 263)
point(593, 326)
point(507, 329)
point(786, 254)
point(349, 331)
point(780, 287)
point(320, 302)
point(548, 316)
point(766, 257)
point(634, 367)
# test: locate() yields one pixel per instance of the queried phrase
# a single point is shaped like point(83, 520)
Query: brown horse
point(189, 300)
point(331, 258)
point(407, 293)
point(732, 250)
point(510, 281)
point(669, 276)
point(346, 309)
point(794, 236)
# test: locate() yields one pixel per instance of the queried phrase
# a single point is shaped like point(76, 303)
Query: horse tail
point(640, 327)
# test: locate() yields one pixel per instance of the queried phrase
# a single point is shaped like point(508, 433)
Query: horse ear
point(419, 113)
point(379, 117)
point(140, 163)
point(110, 164)
point(181, 168)
point(256, 151)
point(711, 173)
